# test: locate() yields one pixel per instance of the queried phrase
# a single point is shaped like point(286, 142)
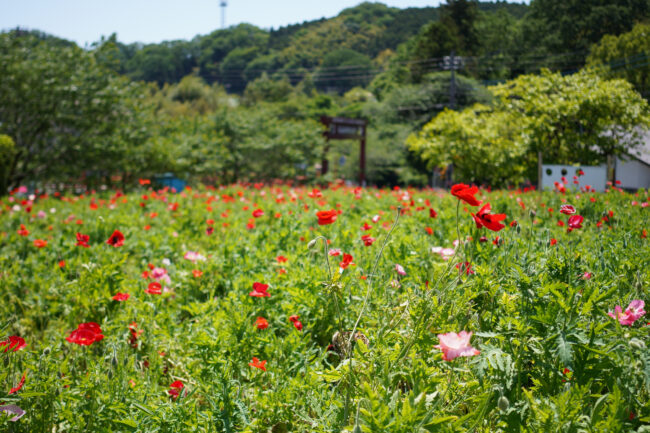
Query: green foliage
point(61, 108)
point(265, 89)
point(625, 56)
point(578, 118)
point(7, 159)
point(551, 359)
point(343, 69)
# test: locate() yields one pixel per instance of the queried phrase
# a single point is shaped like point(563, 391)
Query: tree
point(68, 116)
point(344, 69)
point(570, 27)
point(625, 56)
point(579, 118)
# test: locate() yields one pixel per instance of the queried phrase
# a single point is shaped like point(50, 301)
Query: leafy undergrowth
point(199, 346)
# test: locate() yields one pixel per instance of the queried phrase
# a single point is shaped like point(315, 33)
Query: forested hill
point(241, 53)
point(377, 47)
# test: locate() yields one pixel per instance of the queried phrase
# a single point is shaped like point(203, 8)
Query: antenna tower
point(223, 5)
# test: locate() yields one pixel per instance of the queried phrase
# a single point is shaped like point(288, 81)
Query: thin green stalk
point(369, 281)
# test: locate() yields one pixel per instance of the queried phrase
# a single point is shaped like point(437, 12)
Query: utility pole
point(223, 5)
point(452, 63)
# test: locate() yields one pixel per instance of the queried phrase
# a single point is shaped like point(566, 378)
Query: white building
point(633, 170)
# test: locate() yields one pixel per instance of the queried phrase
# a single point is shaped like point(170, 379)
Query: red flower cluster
point(367, 240)
point(154, 288)
point(85, 334)
point(261, 323)
point(121, 296)
point(260, 290)
point(175, 389)
point(347, 261)
point(326, 217)
point(256, 363)
point(13, 342)
point(465, 193)
point(483, 218)
point(116, 239)
point(82, 240)
point(296, 322)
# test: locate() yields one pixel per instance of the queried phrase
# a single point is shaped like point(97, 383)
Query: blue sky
point(85, 21)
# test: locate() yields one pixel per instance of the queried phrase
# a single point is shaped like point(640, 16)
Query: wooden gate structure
point(344, 128)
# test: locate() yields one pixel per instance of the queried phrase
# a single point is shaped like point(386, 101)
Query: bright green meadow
point(536, 299)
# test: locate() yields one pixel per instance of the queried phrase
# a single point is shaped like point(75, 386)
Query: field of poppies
point(255, 308)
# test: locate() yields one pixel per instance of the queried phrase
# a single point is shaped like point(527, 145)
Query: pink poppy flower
point(454, 345)
point(633, 312)
point(400, 270)
point(567, 209)
point(334, 252)
point(193, 256)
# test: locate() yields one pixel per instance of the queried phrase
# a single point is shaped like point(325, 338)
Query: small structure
point(344, 128)
point(633, 169)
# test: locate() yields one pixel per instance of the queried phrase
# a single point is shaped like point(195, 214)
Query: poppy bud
point(635, 343)
point(311, 243)
point(503, 403)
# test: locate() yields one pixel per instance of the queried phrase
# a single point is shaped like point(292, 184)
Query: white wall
point(632, 174)
point(595, 176)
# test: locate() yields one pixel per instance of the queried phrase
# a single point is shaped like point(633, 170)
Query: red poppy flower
point(40, 243)
point(62, 264)
point(347, 261)
point(483, 218)
point(116, 239)
point(154, 288)
point(465, 267)
point(432, 213)
point(281, 259)
point(465, 193)
point(197, 273)
point(261, 323)
point(121, 296)
point(260, 290)
point(258, 213)
point(85, 334)
point(23, 231)
point(209, 231)
point(334, 252)
point(553, 241)
point(295, 319)
point(82, 240)
point(17, 387)
point(567, 209)
point(13, 342)
point(367, 240)
point(296, 322)
point(256, 363)
point(326, 217)
point(175, 389)
point(145, 181)
point(315, 193)
point(575, 222)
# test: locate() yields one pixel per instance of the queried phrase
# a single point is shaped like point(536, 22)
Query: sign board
point(594, 176)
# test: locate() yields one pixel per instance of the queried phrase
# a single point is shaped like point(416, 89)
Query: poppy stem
point(372, 274)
